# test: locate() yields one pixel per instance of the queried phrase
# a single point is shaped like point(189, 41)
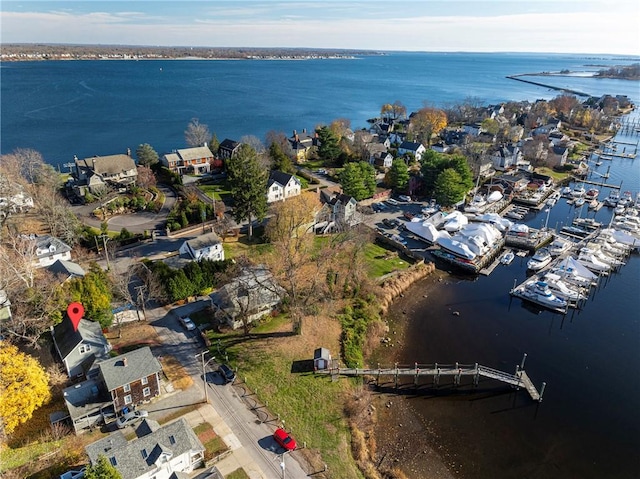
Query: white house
point(79, 349)
point(282, 186)
point(506, 156)
point(155, 453)
point(207, 246)
point(417, 149)
point(48, 250)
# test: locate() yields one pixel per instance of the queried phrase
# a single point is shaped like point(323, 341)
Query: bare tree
point(196, 134)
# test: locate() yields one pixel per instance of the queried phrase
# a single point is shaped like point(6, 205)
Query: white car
point(405, 198)
point(130, 418)
point(392, 202)
point(188, 323)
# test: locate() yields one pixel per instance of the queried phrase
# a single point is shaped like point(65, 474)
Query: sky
point(560, 26)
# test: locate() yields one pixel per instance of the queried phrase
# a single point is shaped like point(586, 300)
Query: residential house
point(382, 159)
point(247, 298)
point(13, 199)
point(416, 149)
point(88, 404)
point(338, 211)
point(376, 151)
point(512, 183)
point(189, 160)
point(100, 172)
point(207, 246)
point(5, 306)
point(472, 129)
point(228, 148)
point(557, 156)
point(303, 144)
point(558, 138)
point(552, 125)
point(79, 348)
point(282, 186)
point(131, 378)
point(506, 156)
point(155, 453)
point(67, 269)
point(48, 249)
point(440, 147)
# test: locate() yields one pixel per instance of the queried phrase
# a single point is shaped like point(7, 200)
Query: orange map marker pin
point(75, 311)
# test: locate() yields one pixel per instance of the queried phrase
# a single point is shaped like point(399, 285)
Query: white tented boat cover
point(426, 231)
point(456, 247)
point(572, 266)
point(519, 228)
point(494, 196)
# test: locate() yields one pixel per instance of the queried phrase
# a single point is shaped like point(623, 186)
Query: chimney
point(304, 130)
point(124, 362)
point(295, 133)
point(128, 151)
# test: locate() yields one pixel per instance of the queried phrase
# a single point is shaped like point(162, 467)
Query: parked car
point(283, 438)
point(408, 215)
point(131, 417)
point(187, 323)
point(228, 374)
point(392, 202)
point(388, 223)
point(405, 198)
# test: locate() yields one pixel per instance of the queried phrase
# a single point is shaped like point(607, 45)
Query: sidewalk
point(239, 457)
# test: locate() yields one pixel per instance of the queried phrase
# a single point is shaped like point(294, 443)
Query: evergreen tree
point(146, 155)
point(279, 160)
point(214, 144)
point(94, 292)
point(351, 181)
point(247, 181)
point(328, 151)
point(449, 188)
point(368, 173)
point(102, 469)
point(399, 175)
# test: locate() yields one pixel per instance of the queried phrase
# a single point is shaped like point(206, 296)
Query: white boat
point(593, 204)
point(539, 260)
point(589, 261)
point(559, 246)
point(593, 193)
point(563, 289)
point(619, 209)
point(574, 272)
point(457, 248)
point(494, 196)
point(476, 205)
point(612, 199)
point(578, 192)
point(508, 257)
point(539, 292)
point(566, 191)
point(579, 202)
point(551, 202)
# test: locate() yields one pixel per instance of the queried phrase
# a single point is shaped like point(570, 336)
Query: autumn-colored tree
point(24, 387)
point(102, 469)
point(294, 261)
point(564, 106)
point(427, 122)
point(146, 177)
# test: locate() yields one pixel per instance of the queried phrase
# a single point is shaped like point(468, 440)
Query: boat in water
point(539, 260)
point(538, 292)
point(508, 257)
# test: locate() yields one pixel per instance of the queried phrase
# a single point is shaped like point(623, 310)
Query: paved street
point(250, 439)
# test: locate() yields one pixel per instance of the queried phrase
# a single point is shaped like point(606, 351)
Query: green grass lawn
point(557, 176)
point(238, 474)
point(11, 458)
point(383, 261)
point(215, 191)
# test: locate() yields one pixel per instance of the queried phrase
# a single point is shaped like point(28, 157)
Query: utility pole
point(204, 373)
point(106, 253)
point(140, 299)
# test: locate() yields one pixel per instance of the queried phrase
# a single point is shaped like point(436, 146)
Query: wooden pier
point(436, 371)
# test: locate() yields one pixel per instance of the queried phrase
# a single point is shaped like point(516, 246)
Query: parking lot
point(390, 216)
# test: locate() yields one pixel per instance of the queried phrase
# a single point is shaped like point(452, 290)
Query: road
point(228, 400)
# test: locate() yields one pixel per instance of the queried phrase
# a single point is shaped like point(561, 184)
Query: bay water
point(589, 422)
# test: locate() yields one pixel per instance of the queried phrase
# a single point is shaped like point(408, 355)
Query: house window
point(113, 461)
point(127, 399)
point(146, 392)
point(144, 380)
point(172, 439)
point(127, 388)
point(85, 348)
point(144, 453)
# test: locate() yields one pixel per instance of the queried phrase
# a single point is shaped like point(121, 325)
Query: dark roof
point(138, 456)
point(409, 145)
point(279, 177)
point(68, 268)
point(85, 398)
point(228, 144)
point(128, 367)
point(67, 339)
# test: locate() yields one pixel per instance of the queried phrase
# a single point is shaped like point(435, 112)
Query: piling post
point(378, 378)
point(415, 378)
point(544, 385)
point(436, 377)
point(396, 365)
point(476, 377)
point(524, 357)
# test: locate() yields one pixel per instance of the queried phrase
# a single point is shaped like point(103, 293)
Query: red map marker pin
point(75, 311)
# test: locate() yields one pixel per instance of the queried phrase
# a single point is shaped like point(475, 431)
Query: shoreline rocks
point(395, 286)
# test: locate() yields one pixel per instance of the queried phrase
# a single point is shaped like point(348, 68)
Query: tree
point(24, 387)
point(94, 292)
point(102, 469)
point(294, 263)
point(448, 188)
point(196, 134)
point(146, 177)
point(279, 160)
point(146, 155)
point(247, 182)
point(398, 110)
point(426, 123)
point(328, 150)
point(358, 180)
point(214, 143)
point(399, 175)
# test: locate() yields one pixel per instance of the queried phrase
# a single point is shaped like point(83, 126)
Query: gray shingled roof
point(111, 165)
point(196, 153)
point(67, 339)
point(68, 268)
point(137, 457)
point(44, 243)
point(204, 241)
point(139, 364)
